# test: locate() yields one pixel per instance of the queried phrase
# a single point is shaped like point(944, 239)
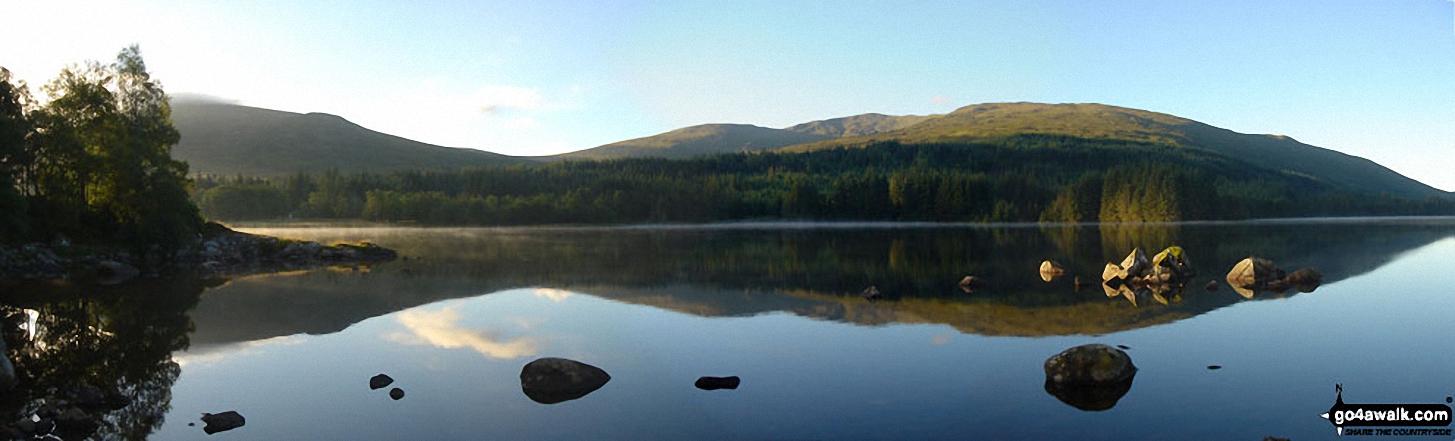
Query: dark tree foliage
point(94, 162)
point(243, 198)
point(14, 127)
point(1018, 179)
point(1078, 202)
point(1156, 193)
point(117, 339)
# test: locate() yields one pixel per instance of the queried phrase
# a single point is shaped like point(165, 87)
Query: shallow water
point(779, 307)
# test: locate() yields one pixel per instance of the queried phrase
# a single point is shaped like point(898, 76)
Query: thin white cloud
point(503, 118)
point(496, 99)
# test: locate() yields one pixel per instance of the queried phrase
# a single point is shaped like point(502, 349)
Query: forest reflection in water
point(122, 340)
point(814, 272)
point(95, 360)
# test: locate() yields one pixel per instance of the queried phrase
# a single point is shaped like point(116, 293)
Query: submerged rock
point(1051, 270)
point(553, 380)
point(380, 381)
point(971, 283)
point(715, 383)
point(222, 422)
point(1253, 271)
point(1090, 377)
point(1212, 285)
point(871, 293)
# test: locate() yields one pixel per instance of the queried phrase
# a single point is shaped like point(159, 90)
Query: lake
point(777, 305)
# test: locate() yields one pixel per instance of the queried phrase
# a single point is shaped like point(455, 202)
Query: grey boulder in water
point(554, 380)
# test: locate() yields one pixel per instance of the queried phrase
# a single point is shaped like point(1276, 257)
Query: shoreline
point(219, 252)
point(847, 225)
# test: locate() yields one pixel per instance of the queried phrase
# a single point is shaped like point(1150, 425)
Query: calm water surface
point(775, 305)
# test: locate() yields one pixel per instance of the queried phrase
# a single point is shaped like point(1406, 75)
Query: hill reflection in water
point(136, 339)
point(812, 272)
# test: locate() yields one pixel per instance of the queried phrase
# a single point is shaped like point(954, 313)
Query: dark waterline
point(855, 225)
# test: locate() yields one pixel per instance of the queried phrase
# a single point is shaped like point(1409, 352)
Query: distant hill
point(859, 125)
point(698, 141)
point(989, 122)
point(227, 139)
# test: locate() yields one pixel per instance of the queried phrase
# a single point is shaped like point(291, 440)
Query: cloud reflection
point(555, 295)
point(439, 329)
point(206, 355)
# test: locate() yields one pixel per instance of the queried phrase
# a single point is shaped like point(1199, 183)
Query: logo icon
point(1359, 416)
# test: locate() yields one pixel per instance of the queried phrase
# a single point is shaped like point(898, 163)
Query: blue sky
point(1373, 78)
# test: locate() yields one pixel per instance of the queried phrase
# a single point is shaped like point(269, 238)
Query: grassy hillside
point(859, 125)
point(695, 141)
point(228, 139)
point(985, 122)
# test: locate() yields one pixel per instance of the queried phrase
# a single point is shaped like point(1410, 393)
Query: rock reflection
point(440, 329)
point(1091, 398)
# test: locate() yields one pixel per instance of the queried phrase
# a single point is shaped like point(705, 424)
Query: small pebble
point(380, 381)
point(1214, 367)
point(396, 393)
point(715, 383)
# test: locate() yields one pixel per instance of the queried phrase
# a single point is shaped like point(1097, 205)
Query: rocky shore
point(217, 252)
